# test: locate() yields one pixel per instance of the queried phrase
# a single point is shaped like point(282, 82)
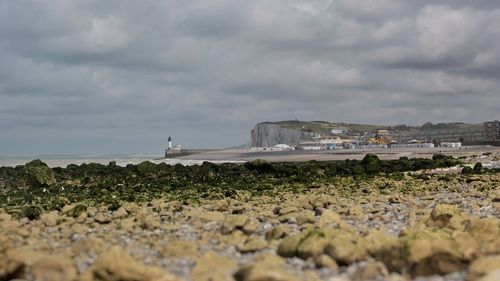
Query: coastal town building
point(492, 132)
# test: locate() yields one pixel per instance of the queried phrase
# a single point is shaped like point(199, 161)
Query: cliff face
point(268, 134)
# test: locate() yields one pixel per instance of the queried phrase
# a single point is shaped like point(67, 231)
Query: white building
point(451, 144)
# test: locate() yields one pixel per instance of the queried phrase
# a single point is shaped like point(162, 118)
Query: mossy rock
point(40, 173)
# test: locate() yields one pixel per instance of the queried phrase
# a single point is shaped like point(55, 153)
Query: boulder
point(325, 261)
point(486, 232)
point(312, 244)
point(40, 173)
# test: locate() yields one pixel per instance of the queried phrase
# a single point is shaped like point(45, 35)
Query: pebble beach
point(404, 226)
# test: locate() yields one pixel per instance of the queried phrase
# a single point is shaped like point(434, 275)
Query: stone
point(233, 222)
point(329, 218)
point(210, 216)
point(288, 246)
point(375, 240)
point(180, 249)
point(370, 271)
point(326, 261)
point(356, 212)
point(50, 219)
point(492, 276)
point(305, 217)
point(312, 244)
point(127, 224)
point(52, 268)
point(251, 226)
point(120, 213)
point(445, 215)
point(40, 173)
point(482, 267)
point(253, 245)
point(431, 252)
point(266, 268)
point(278, 232)
point(212, 266)
point(345, 247)
point(148, 221)
point(115, 264)
point(486, 232)
point(102, 218)
point(11, 268)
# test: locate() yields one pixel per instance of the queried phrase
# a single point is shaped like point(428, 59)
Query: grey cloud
point(121, 76)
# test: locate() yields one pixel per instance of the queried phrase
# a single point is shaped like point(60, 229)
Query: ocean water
point(121, 160)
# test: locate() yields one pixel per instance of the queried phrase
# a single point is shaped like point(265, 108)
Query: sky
point(120, 76)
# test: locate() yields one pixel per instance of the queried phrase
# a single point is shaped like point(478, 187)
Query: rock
point(148, 221)
point(345, 247)
point(312, 244)
point(116, 264)
point(40, 173)
point(233, 222)
point(305, 217)
point(127, 224)
point(265, 268)
point(53, 268)
point(375, 240)
point(326, 261)
point(288, 247)
point(120, 213)
point(277, 232)
point(482, 266)
point(370, 271)
point(251, 226)
point(429, 252)
point(180, 249)
point(210, 216)
point(11, 268)
point(486, 232)
point(445, 215)
point(492, 276)
point(287, 210)
point(102, 218)
point(253, 245)
point(211, 266)
point(50, 219)
point(328, 218)
point(356, 212)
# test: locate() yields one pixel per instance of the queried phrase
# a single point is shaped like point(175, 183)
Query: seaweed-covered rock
point(486, 231)
point(345, 247)
point(265, 268)
point(253, 245)
point(40, 173)
point(371, 270)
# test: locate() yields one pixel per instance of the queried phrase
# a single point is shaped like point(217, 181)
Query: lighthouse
point(169, 143)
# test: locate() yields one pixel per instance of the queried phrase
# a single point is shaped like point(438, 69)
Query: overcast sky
point(118, 76)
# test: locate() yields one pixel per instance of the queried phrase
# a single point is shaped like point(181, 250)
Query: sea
point(120, 159)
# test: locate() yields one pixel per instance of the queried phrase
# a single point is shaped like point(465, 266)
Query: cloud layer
point(121, 76)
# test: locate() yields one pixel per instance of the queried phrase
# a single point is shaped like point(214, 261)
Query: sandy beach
point(330, 155)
